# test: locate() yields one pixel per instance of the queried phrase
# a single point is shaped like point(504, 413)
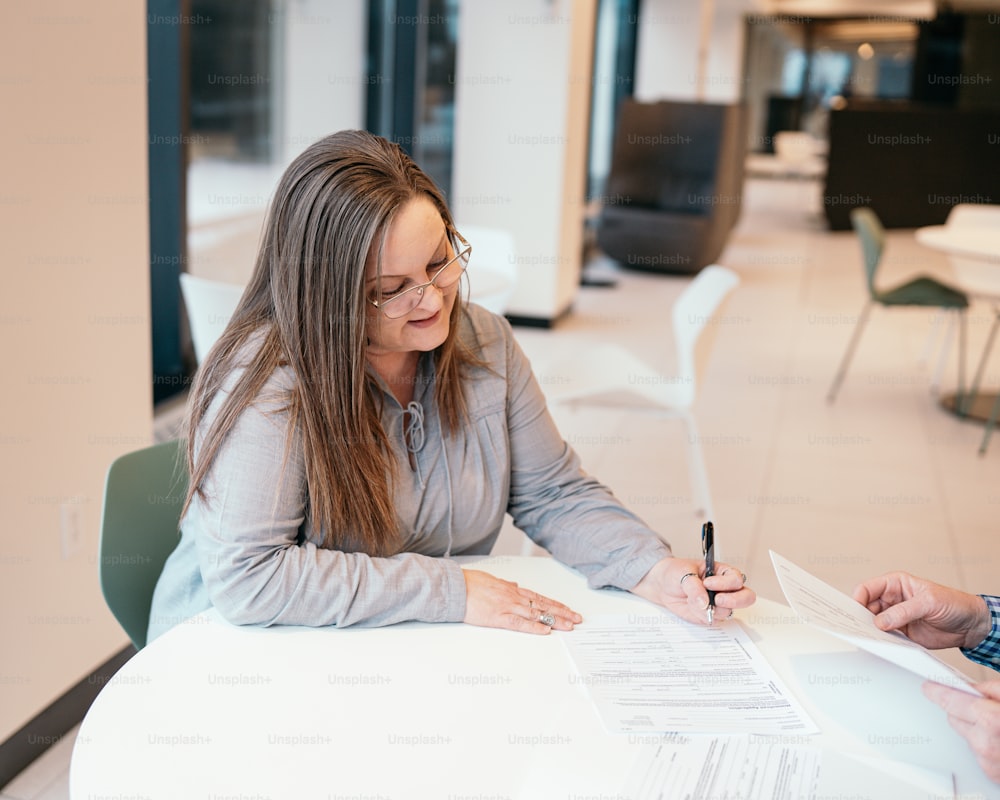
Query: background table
point(975, 258)
point(978, 243)
point(447, 711)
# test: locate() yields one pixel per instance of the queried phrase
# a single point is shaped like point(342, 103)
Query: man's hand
point(930, 614)
point(976, 718)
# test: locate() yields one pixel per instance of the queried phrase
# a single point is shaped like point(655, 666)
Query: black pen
point(708, 548)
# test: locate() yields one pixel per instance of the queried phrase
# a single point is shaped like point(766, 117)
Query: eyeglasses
point(402, 303)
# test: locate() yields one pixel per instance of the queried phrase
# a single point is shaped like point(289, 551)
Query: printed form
point(725, 767)
point(752, 767)
point(657, 674)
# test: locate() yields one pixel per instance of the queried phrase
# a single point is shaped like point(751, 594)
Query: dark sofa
point(676, 185)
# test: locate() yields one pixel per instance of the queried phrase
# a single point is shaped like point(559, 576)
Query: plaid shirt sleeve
point(987, 652)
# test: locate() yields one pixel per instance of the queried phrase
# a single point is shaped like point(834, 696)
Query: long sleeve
point(987, 652)
point(248, 550)
point(557, 504)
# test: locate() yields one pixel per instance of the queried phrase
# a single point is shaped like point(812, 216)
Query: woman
point(358, 423)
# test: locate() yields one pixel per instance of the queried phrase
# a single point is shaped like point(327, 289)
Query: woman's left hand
point(677, 584)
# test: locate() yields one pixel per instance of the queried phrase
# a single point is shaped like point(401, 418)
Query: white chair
point(613, 377)
point(492, 269)
point(210, 305)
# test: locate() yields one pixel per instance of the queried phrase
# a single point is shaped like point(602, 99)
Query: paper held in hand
point(821, 605)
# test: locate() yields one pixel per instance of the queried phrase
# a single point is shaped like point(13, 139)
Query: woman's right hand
point(495, 603)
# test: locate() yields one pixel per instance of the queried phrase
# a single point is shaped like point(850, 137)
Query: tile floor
point(881, 479)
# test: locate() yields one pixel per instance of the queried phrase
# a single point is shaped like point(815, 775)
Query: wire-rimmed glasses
point(402, 303)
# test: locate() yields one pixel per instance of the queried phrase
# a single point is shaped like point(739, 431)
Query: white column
point(668, 44)
point(324, 80)
point(523, 79)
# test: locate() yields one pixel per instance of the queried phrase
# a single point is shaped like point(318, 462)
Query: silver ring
point(744, 578)
point(685, 577)
point(547, 619)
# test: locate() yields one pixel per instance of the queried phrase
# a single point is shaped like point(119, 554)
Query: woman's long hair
point(331, 210)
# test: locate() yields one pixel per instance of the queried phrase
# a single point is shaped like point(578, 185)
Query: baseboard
point(537, 322)
point(53, 722)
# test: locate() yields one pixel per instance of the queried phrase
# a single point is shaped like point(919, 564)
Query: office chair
point(209, 305)
point(143, 495)
point(611, 376)
point(920, 291)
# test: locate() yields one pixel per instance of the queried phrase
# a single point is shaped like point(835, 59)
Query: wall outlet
point(70, 530)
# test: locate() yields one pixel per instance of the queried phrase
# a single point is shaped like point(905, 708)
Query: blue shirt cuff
point(987, 652)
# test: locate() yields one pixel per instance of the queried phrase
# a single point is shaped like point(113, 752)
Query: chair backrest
point(872, 235)
point(143, 495)
point(210, 306)
point(696, 305)
point(494, 259)
point(974, 215)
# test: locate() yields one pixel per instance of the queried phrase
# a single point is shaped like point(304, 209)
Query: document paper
point(823, 606)
point(731, 767)
point(754, 767)
point(654, 674)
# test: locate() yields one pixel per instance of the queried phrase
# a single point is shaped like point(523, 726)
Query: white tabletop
point(446, 711)
point(974, 254)
point(981, 243)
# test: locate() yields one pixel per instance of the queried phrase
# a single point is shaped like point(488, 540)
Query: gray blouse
point(251, 550)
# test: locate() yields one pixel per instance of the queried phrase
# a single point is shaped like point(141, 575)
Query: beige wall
point(74, 327)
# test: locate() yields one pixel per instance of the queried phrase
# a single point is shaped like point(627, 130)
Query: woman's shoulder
point(486, 333)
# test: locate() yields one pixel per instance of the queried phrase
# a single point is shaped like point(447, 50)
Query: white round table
point(974, 253)
point(210, 710)
point(979, 243)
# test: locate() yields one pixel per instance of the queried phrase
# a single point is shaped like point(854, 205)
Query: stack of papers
point(749, 768)
point(719, 722)
point(656, 674)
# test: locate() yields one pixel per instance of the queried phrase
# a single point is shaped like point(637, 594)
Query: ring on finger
point(743, 575)
point(685, 577)
point(547, 619)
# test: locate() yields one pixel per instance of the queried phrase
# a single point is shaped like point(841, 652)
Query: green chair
point(143, 496)
point(921, 291)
